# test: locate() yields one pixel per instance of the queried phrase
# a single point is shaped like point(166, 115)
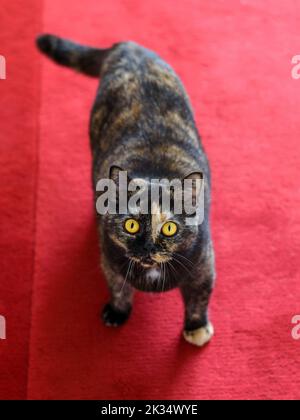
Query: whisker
point(170, 265)
point(182, 265)
point(168, 280)
point(186, 259)
point(128, 271)
point(132, 269)
point(164, 276)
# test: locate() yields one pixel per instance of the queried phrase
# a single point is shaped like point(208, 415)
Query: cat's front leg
point(198, 330)
point(196, 292)
point(118, 309)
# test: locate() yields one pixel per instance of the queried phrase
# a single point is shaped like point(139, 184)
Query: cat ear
point(119, 176)
point(194, 175)
point(195, 181)
point(114, 173)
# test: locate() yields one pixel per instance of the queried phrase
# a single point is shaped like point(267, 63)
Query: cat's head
point(154, 244)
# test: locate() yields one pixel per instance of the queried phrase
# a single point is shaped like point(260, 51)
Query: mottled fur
point(142, 122)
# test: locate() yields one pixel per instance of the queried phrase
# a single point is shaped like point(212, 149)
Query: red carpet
point(235, 60)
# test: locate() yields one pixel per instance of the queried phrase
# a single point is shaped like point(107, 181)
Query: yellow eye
point(169, 229)
point(132, 226)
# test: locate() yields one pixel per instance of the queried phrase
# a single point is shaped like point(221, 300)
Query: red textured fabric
point(234, 58)
point(19, 101)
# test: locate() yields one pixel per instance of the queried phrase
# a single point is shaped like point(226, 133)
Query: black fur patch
point(113, 317)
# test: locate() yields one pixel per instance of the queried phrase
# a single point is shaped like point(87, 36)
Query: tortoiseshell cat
point(142, 122)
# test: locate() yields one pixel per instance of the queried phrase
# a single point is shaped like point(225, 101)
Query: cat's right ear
point(114, 174)
point(120, 177)
point(121, 181)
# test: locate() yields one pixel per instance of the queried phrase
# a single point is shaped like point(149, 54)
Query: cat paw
point(200, 336)
point(114, 318)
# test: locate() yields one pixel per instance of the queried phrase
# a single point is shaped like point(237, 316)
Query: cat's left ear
point(196, 183)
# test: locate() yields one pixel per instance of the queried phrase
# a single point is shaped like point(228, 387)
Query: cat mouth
point(149, 265)
point(143, 261)
point(154, 261)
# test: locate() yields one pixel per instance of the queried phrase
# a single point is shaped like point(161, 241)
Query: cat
point(142, 123)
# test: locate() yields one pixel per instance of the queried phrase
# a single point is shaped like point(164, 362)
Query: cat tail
point(86, 60)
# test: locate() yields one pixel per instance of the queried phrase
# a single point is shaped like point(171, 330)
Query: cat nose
point(149, 248)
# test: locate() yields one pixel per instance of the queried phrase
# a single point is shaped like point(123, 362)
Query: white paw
point(200, 336)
